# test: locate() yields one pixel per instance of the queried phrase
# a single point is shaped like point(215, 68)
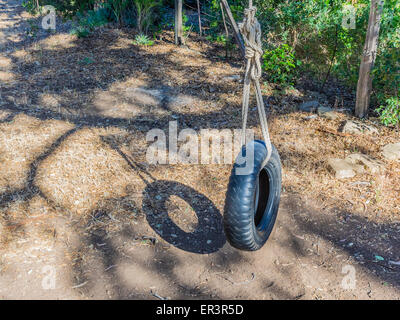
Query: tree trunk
point(179, 40)
point(199, 13)
point(236, 31)
point(364, 86)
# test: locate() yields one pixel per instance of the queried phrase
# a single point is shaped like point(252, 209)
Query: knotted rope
point(251, 31)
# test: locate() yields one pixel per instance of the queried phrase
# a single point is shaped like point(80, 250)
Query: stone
point(373, 165)
point(354, 127)
point(234, 77)
point(355, 163)
point(391, 151)
point(328, 113)
point(181, 100)
point(145, 96)
point(342, 168)
point(332, 115)
point(313, 116)
point(322, 110)
point(309, 106)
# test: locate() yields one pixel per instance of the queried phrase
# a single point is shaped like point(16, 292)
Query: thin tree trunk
point(199, 13)
point(179, 40)
point(226, 30)
point(236, 32)
point(364, 86)
point(333, 58)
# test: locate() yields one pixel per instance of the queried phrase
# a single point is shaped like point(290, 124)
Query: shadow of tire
point(208, 237)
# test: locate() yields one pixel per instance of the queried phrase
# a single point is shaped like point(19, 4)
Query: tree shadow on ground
point(208, 236)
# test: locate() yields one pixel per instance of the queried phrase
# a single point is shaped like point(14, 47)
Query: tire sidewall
point(273, 169)
point(240, 204)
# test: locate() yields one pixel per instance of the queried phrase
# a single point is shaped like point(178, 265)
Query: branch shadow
point(208, 236)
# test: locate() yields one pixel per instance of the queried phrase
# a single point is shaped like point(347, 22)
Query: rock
point(158, 97)
point(328, 113)
point(342, 168)
point(391, 151)
point(234, 77)
point(355, 163)
point(373, 165)
point(145, 96)
point(309, 106)
point(313, 116)
point(332, 115)
point(182, 100)
point(354, 127)
point(322, 110)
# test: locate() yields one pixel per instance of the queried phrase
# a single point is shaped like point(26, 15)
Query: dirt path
point(78, 201)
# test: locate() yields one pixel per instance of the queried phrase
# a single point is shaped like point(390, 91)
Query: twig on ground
point(157, 296)
point(253, 276)
point(79, 285)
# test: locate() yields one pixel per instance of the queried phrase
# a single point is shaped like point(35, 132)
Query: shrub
point(143, 40)
point(144, 13)
point(86, 23)
point(118, 8)
point(280, 64)
point(67, 9)
point(389, 113)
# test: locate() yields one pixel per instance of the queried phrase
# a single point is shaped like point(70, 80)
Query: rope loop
point(251, 32)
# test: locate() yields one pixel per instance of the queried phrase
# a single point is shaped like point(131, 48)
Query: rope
point(251, 31)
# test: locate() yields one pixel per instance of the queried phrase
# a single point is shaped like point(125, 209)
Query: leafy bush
point(86, 23)
point(144, 13)
point(118, 8)
point(280, 64)
point(80, 32)
point(214, 16)
point(67, 9)
point(389, 113)
point(143, 40)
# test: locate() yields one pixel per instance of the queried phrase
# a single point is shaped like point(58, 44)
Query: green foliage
point(30, 6)
point(145, 13)
point(389, 113)
point(143, 40)
point(185, 26)
point(214, 16)
point(33, 28)
point(86, 61)
point(118, 8)
point(280, 64)
point(80, 32)
point(67, 8)
point(86, 23)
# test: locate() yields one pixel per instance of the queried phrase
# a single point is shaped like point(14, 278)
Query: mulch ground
point(73, 140)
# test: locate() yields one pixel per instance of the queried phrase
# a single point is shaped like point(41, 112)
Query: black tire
point(252, 200)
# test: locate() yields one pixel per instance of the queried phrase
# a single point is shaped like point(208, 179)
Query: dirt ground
point(84, 216)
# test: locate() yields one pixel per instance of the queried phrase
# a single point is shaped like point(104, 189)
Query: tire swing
point(254, 189)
